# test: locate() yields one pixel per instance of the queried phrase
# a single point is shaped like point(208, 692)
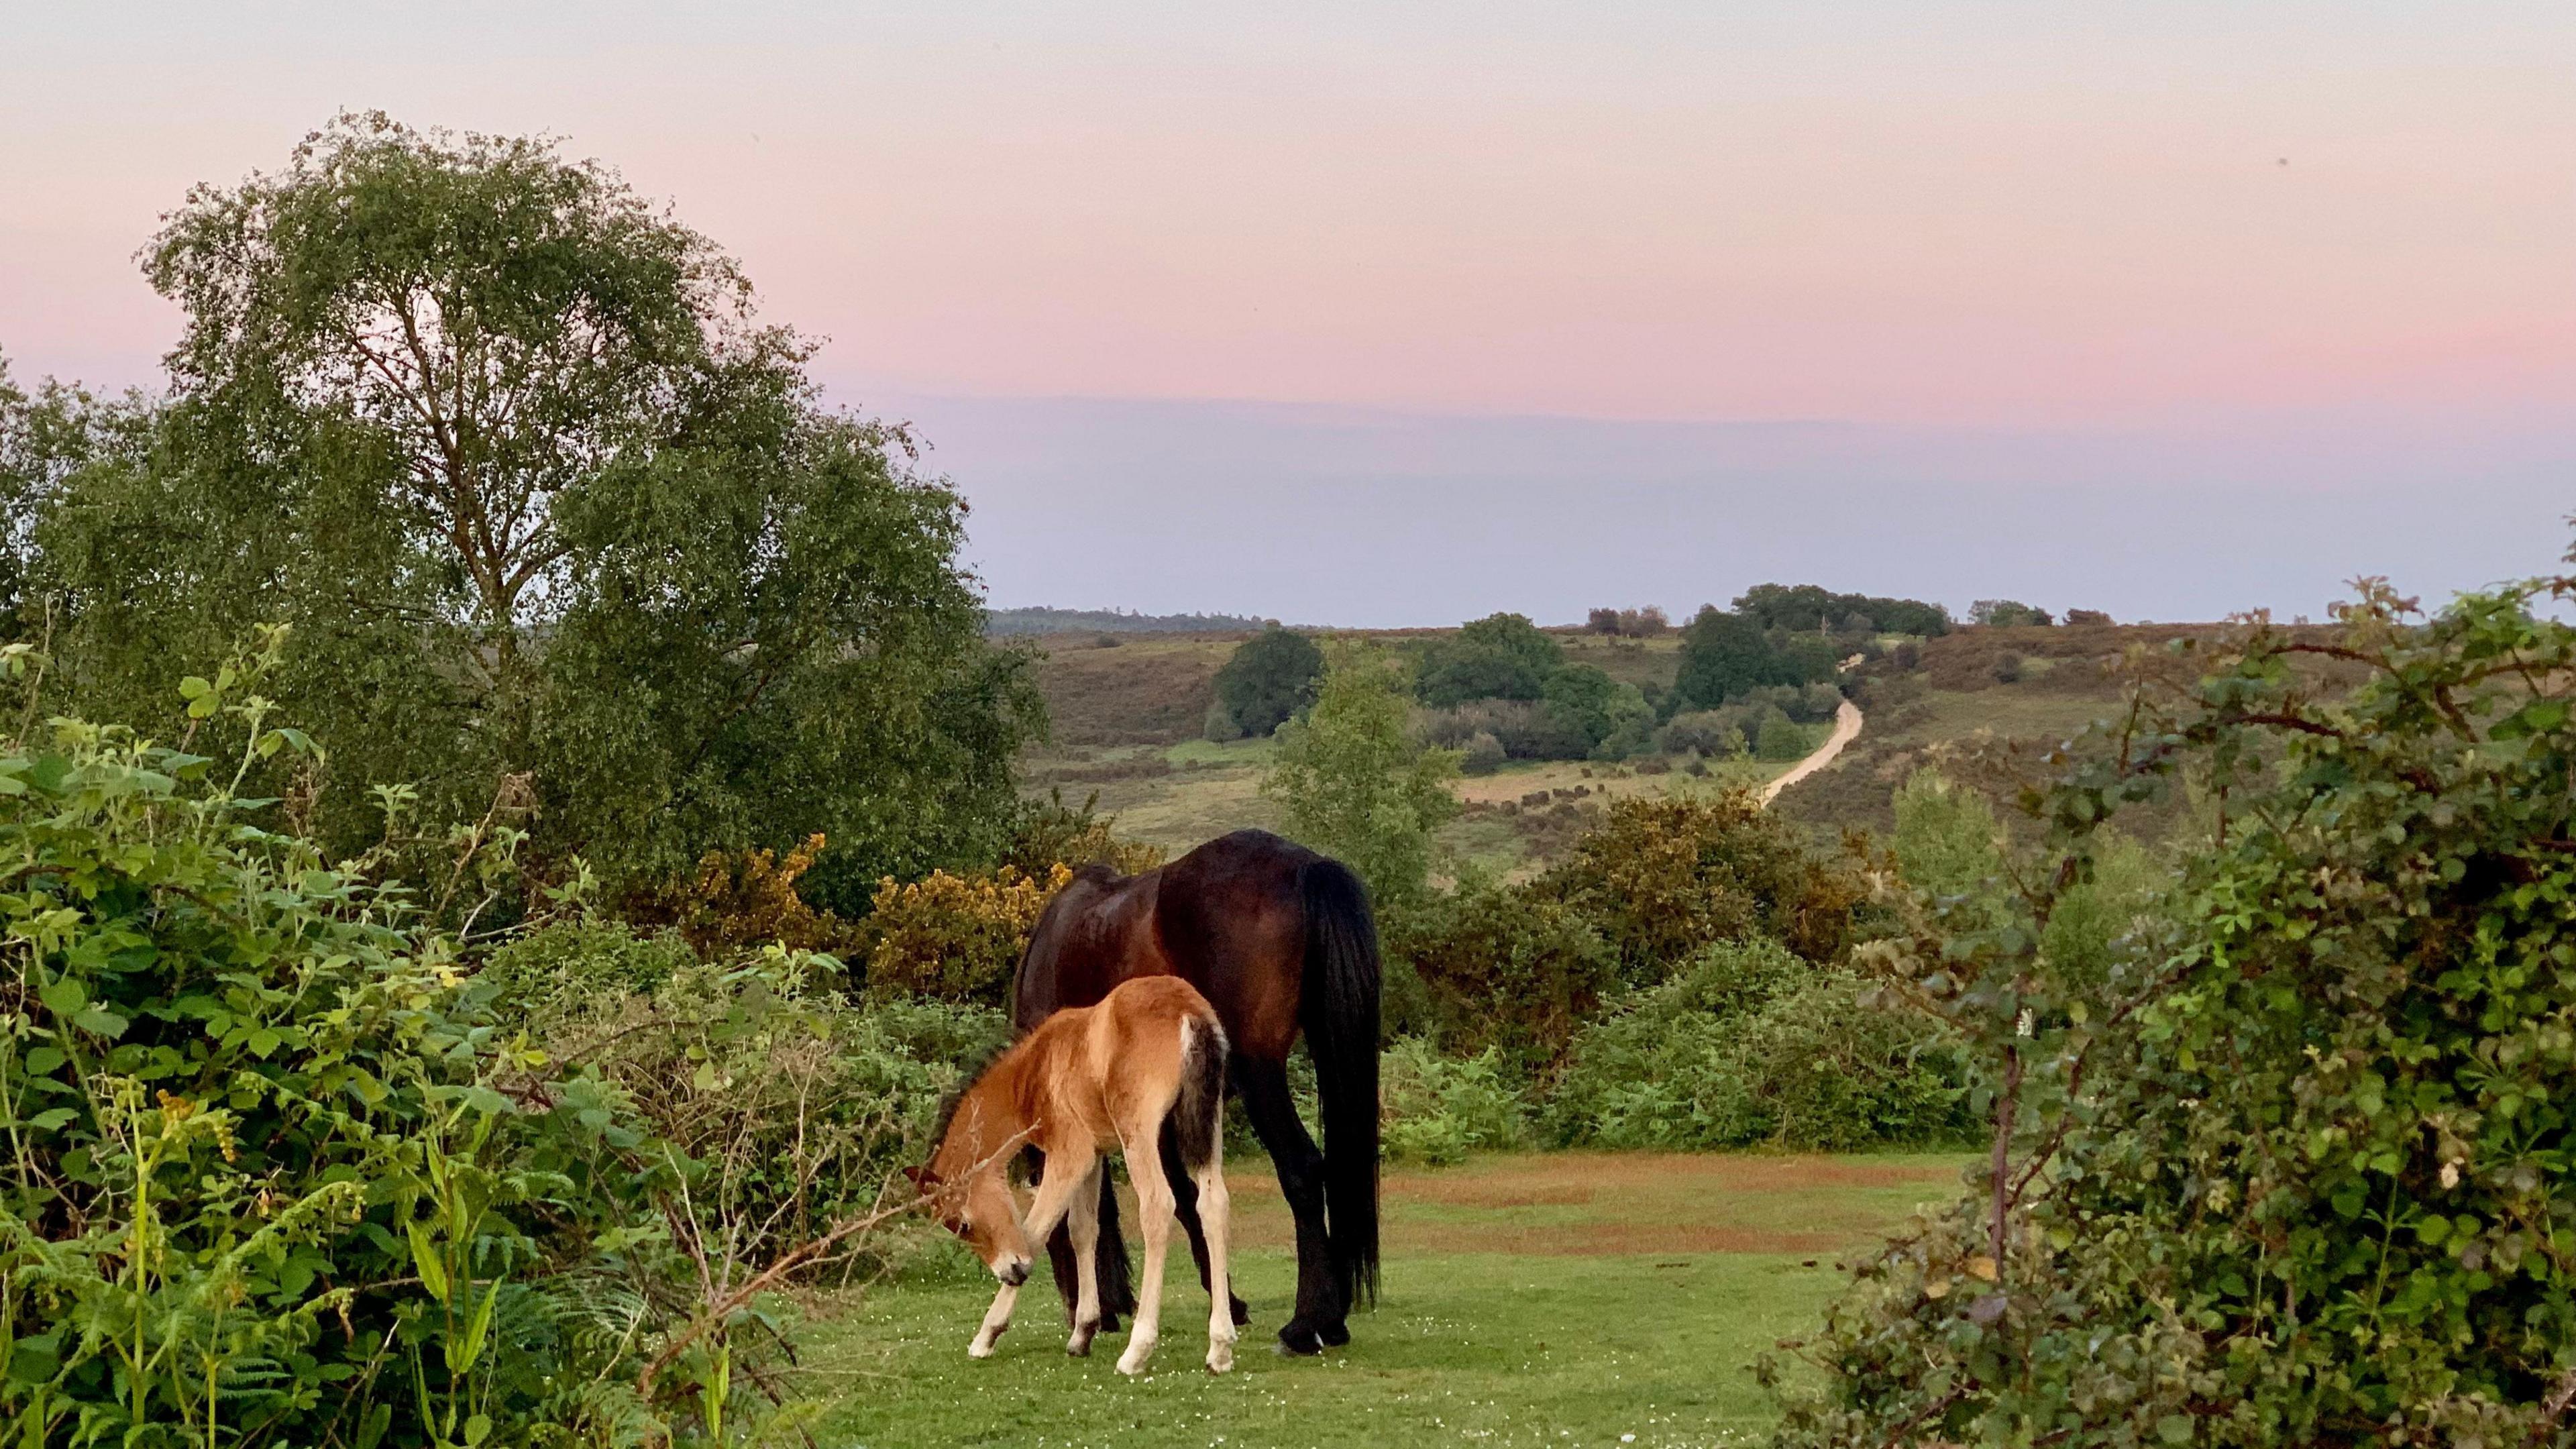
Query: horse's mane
point(976, 1071)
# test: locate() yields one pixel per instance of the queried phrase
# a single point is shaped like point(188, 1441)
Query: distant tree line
point(1011, 623)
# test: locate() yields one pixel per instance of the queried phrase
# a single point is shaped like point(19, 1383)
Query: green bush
point(1752, 1045)
point(1661, 878)
point(1505, 967)
point(1710, 733)
point(2298, 1172)
point(1780, 740)
point(371, 1217)
point(282, 1170)
point(1438, 1109)
point(1484, 755)
point(790, 1103)
point(1526, 730)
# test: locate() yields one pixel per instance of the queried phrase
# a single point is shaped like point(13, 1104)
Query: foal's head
point(968, 1183)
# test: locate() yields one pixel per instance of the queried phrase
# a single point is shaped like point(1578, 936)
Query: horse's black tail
point(1197, 1123)
point(1341, 1021)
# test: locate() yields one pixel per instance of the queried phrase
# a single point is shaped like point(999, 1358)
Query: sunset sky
point(1376, 314)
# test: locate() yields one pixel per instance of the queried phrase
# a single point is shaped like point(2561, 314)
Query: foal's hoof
point(1220, 1358)
point(1079, 1345)
point(1334, 1334)
point(1299, 1341)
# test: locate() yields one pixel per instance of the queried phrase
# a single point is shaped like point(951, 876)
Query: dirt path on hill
point(1846, 729)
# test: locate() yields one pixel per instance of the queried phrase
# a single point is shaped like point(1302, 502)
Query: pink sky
point(1979, 214)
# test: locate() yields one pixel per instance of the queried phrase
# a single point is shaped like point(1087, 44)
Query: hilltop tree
point(1501, 656)
point(2008, 614)
point(1269, 677)
point(556, 519)
point(1807, 607)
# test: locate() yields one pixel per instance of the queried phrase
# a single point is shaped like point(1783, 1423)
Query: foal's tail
point(1341, 1021)
point(1197, 1123)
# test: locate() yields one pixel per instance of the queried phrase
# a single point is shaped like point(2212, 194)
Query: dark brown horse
point(1280, 940)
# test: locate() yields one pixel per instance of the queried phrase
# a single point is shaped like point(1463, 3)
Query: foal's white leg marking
point(1214, 1205)
point(996, 1319)
point(1082, 1225)
point(1154, 1205)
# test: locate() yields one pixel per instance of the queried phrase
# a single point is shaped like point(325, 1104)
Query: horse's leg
point(1154, 1206)
point(1301, 1180)
point(1185, 1206)
point(1117, 1286)
point(1082, 1220)
point(997, 1320)
point(1109, 1263)
point(1059, 1246)
point(1072, 1172)
point(1217, 1211)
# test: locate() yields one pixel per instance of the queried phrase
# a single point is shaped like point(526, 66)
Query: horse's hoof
point(1299, 1341)
point(1242, 1314)
point(1132, 1362)
point(1079, 1345)
point(1334, 1334)
point(1220, 1358)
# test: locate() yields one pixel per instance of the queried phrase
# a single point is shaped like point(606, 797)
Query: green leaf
point(53, 1119)
point(102, 1021)
point(425, 1261)
point(43, 1060)
point(477, 1429)
point(462, 1354)
point(64, 996)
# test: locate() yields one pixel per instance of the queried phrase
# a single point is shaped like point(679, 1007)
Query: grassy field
point(1560, 1299)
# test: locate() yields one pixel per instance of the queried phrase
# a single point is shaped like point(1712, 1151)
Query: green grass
point(1566, 1299)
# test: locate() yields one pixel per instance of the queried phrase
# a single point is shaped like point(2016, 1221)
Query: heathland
point(512, 824)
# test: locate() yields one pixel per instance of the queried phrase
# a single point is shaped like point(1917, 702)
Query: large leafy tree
point(1501, 656)
point(558, 522)
point(1269, 677)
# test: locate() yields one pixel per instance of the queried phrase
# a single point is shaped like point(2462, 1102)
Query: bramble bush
point(1501, 968)
point(283, 1168)
point(2294, 1169)
point(1752, 1045)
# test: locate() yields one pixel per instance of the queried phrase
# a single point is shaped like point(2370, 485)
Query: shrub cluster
point(1749, 1044)
point(2291, 1165)
point(958, 938)
point(283, 1168)
point(1502, 676)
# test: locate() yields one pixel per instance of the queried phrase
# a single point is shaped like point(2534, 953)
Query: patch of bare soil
point(1617, 1204)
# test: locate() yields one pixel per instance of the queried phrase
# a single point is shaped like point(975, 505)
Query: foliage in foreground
point(279, 1170)
point(2299, 1172)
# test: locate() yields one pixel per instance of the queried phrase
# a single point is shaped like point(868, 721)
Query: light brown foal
point(1085, 1081)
